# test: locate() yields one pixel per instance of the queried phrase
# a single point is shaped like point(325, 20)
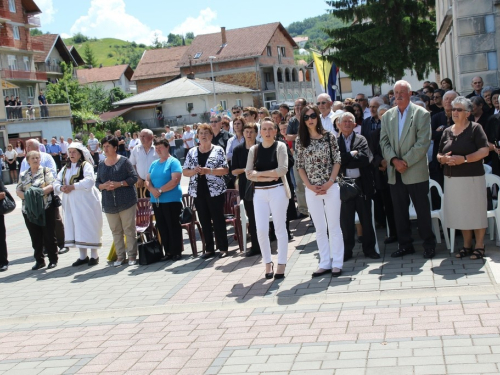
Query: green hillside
point(111, 51)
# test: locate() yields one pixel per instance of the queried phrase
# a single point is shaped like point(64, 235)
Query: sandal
point(464, 251)
point(477, 254)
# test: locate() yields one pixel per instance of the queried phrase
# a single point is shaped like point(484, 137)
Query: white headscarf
point(84, 150)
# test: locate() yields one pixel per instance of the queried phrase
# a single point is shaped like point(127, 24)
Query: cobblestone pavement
point(390, 316)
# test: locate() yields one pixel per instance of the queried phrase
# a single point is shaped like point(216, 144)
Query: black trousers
point(167, 222)
point(251, 225)
point(3, 243)
point(57, 160)
point(59, 228)
point(211, 215)
point(95, 158)
point(418, 193)
point(41, 236)
point(347, 215)
point(389, 210)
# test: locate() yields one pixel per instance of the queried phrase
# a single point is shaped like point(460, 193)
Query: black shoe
point(38, 265)
point(360, 239)
point(372, 255)
point(302, 216)
point(318, 274)
point(51, 265)
point(4, 268)
point(251, 253)
point(390, 239)
point(337, 274)
point(290, 236)
point(429, 253)
point(270, 274)
point(93, 261)
point(168, 257)
point(208, 255)
point(279, 276)
point(79, 262)
point(63, 250)
point(402, 252)
point(45, 251)
point(176, 257)
point(347, 256)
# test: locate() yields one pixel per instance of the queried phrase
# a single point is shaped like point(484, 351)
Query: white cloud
point(48, 11)
point(109, 19)
point(199, 25)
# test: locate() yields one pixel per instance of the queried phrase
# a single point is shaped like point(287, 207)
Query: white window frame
point(239, 102)
point(15, 31)
point(223, 104)
point(12, 62)
point(31, 91)
point(12, 6)
point(27, 63)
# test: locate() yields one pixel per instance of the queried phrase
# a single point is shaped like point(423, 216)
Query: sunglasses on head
point(313, 116)
point(245, 114)
point(261, 113)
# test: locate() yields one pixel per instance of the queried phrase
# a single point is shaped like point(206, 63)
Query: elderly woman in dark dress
point(462, 149)
point(116, 178)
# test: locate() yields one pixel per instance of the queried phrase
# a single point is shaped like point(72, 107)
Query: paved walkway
point(390, 316)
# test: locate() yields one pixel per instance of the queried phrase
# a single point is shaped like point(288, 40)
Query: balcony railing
point(49, 68)
point(36, 112)
point(34, 21)
point(23, 75)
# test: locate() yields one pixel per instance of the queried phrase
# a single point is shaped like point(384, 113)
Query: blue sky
point(139, 20)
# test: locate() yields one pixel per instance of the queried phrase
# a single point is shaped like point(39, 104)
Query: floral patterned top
point(216, 159)
point(316, 160)
point(43, 177)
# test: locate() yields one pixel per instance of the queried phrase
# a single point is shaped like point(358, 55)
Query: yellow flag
point(323, 68)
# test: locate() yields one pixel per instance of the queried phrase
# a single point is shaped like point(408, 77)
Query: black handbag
point(347, 186)
point(149, 252)
point(56, 200)
point(186, 215)
point(250, 186)
point(7, 205)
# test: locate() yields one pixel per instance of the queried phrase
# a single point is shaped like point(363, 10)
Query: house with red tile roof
point(157, 66)
point(108, 77)
point(258, 57)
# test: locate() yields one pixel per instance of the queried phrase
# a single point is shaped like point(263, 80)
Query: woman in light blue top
point(163, 182)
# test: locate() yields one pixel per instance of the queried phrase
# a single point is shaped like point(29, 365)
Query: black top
point(202, 179)
point(121, 147)
point(483, 119)
point(470, 140)
point(120, 199)
point(438, 120)
point(221, 139)
point(267, 160)
point(293, 127)
point(435, 109)
point(240, 156)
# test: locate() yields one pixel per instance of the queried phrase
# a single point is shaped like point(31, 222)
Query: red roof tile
point(106, 73)
point(50, 41)
point(159, 63)
point(244, 42)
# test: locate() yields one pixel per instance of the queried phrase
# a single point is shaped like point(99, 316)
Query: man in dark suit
point(477, 85)
point(373, 122)
point(355, 163)
point(405, 138)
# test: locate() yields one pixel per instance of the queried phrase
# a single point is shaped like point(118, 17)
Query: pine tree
point(89, 56)
point(386, 37)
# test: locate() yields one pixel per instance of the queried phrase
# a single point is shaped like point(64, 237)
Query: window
point(269, 51)
point(283, 51)
point(15, 29)
point(223, 104)
point(279, 55)
point(189, 106)
point(239, 102)
point(12, 62)
point(31, 92)
point(12, 6)
point(198, 55)
point(27, 65)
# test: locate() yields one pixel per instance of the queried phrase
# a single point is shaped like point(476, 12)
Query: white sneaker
point(132, 262)
point(118, 263)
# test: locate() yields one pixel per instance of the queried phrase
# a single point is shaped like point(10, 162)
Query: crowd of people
point(287, 164)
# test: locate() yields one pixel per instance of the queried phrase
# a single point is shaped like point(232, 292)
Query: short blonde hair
point(32, 153)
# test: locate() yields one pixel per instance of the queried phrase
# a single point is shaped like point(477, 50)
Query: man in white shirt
point(324, 104)
point(170, 137)
point(64, 149)
point(93, 146)
point(188, 138)
point(46, 160)
point(142, 156)
point(363, 102)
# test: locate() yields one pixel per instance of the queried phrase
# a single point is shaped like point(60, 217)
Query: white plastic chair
point(487, 169)
point(356, 221)
point(438, 215)
point(244, 224)
point(492, 180)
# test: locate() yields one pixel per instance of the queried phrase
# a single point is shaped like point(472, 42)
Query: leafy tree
point(80, 38)
point(156, 44)
point(387, 37)
point(67, 88)
point(190, 35)
point(174, 40)
point(35, 32)
point(89, 56)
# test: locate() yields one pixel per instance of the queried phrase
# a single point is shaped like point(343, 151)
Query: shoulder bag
point(7, 205)
point(149, 251)
point(250, 186)
point(348, 187)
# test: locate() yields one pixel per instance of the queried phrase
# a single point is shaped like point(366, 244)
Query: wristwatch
point(121, 183)
point(160, 191)
point(465, 158)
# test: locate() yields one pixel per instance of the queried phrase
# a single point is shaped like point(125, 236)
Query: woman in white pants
point(267, 165)
point(318, 163)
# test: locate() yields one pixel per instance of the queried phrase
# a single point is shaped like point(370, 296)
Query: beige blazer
point(282, 169)
point(411, 147)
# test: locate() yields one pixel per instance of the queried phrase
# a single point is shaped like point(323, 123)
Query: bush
point(110, 54)
point(142, 45)
point(80, 38)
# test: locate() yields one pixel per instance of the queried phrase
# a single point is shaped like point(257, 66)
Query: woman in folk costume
point(81, 204)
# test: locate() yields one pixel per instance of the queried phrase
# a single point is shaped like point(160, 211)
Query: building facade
point(468, 41)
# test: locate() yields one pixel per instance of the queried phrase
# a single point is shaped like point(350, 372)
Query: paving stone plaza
point(399, 316)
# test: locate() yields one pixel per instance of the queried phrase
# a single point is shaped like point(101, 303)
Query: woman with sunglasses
point(263, 113)
point(318, 162)
point(462, 149)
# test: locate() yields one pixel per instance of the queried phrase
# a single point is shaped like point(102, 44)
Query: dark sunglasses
point(436, 97)
point(458, 110)
point(318, 103)
point(214, 122)
point(236, 112)
point(246, 114)
point(313, 116)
